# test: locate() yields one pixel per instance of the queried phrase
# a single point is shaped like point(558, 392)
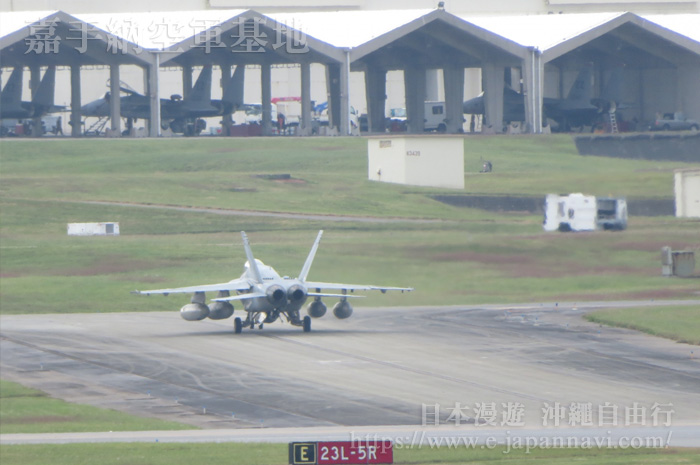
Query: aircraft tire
point(237, 325)
point(306, 324)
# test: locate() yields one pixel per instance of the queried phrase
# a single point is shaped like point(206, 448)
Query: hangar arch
point(660, 68)
point(60, 39)
point(250, 38)
point(437, 40)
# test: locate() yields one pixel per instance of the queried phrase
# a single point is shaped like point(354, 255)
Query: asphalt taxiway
point(383, 367)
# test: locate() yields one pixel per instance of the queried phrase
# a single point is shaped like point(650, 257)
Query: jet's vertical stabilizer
point(201, 92)
point(234, 89)
point(45, 93)
point(252, 264)
point(613, 88)
point(582, 90)
point(11, 96)
point(310, 259)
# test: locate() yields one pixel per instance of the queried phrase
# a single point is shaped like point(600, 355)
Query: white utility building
point(428, 161)
point(687, 190)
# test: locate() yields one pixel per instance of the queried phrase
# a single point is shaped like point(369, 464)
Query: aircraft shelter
point(538, 55)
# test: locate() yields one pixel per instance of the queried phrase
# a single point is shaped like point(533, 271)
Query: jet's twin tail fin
point(45, 93)
point(201, 92)
point(614, 86)
point(582, 89)
point(12, 92)
point(309, 260)
point(234, 88)
point(252, 264)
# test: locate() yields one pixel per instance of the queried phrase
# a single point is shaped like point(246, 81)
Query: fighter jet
point(578, 109)
point(11, 104)
point(267, 296)
point(178, 114)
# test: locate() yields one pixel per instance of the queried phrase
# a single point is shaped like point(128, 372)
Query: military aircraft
point(11, 104)
point(267, 296)
point(180, 115)
point(578, 109)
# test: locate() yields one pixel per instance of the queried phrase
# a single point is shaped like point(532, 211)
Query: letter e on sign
point(302, 453)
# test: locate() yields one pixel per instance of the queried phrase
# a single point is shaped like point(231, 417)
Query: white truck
point(435, 116)
point(579, 212)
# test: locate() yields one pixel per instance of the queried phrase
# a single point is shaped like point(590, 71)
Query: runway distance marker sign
point(341, 452)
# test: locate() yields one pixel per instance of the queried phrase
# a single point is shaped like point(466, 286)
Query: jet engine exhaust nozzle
point(276, 296)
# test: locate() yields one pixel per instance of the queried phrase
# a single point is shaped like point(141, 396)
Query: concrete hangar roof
point(181, 38)
point(622, 38)
point(57, 38)
point(384, 38)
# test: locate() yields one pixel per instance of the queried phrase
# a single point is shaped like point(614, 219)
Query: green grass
point(218, 172)
point(25, 410)
point(472, 257)
point(269, 454)
point(681, 324)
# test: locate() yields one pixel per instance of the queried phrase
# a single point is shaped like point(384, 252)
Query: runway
point(514, 367)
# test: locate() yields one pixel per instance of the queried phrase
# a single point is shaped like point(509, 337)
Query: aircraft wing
point(235, 285)
point(353, 287)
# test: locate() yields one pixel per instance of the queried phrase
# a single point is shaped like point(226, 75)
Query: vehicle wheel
point(307, 324)
point(441, 128)
point(237, 325)
point(694, 127)
point(564, 227)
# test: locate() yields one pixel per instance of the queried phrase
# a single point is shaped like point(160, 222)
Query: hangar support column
point(186, 81)
point(114, 101)
point(493, 76)
point(414, 84)
point(375, 89)
point(34, 82)
point(688, 97)
point(333, 88)
point(75, 98)
point(227, 119)
point(454, 98)
point(153, 79)
point(266, 80)
point(532, 83)
point(345, 129)
point(305, 129)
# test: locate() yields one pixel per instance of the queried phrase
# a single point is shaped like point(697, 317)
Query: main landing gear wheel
point(307, 324)
point(237, 325)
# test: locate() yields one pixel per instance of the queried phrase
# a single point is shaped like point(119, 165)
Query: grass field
point(471, 256)
point(276, 454)
point(25, 410)
point(681, 324)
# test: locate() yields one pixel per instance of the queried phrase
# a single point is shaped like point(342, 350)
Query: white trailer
point(573, 212)
point(579, 212)
point(93, 229)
